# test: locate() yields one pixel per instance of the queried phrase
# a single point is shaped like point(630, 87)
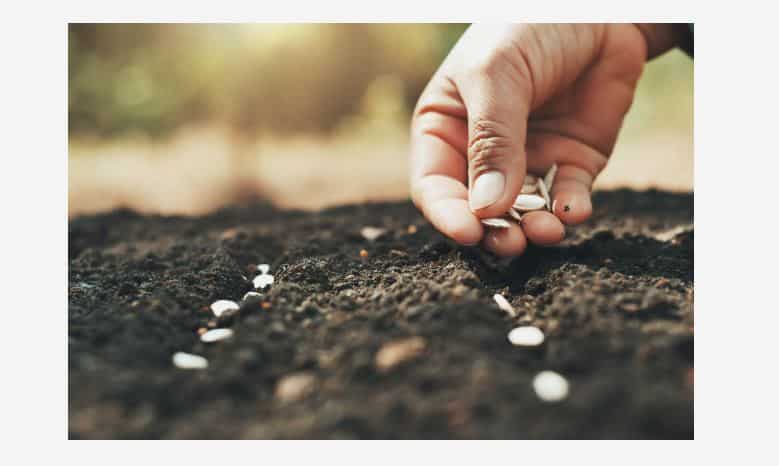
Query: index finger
point(439, 173)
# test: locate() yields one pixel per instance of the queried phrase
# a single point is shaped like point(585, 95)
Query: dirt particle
point(396, 352)
point(294, 387)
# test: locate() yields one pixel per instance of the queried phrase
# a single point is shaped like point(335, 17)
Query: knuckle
point(488, 146)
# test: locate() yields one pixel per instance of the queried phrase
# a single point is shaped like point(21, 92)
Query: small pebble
point(504, 305)
point(294, 387)
point(216, 334)
point(189, 361)
point(372, 233)
point(550, 386)
point(526, 336)
point(397, 352)
point(262, 281)
point(223, 305)
point(263, 268)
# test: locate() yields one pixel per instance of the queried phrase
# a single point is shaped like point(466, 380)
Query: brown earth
point(401, 341)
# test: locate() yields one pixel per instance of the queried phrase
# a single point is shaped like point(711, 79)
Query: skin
point(516, 99)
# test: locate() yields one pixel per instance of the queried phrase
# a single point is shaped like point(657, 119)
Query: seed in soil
point(216, 334)
point(550, 175)
point(293, 387)
point(412, 229)
point(372, 233)
point(496, 222)
point(223, 305)
point(189, 361)
point(363, 253)
point(526, 336)
point(528, 202)
point(263, 268)
point(262, 281)
point(545, 193)
point(550, 386)
point(504, 305)
point(266, 305)
point(251, 297)
point(396, 352)
point(201, 330)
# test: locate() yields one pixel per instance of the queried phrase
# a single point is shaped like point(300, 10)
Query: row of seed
point(549, 386)
point(221, 307)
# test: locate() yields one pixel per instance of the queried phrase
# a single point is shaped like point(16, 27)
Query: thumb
point(498, 106)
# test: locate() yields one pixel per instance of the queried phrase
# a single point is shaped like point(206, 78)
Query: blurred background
point(183, 119)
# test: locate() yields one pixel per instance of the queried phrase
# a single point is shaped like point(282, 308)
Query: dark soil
point(615, 301)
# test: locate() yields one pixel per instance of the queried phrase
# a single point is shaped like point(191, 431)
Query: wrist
point(661, 37)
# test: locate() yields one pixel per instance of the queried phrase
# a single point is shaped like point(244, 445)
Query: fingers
point(438, 164)
point(505, 242)
point(542, 228)
point(578, 164)
point(571, 194)
point(497, 103)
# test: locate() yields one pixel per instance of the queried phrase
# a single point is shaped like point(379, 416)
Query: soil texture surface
point(390, 338)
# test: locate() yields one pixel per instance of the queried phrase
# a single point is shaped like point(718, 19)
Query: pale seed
point(504, 305)
point(526, 336)
point(372, 233)
point(262, 281)
point(514, 213)
point(496, 222)
point(527, 202)
point(189, 361)
point(216, 334)
point(223, 305)
point(529, 188)
point(263, 268)
point(550, 386)
point(545, 193)
point(549, 178)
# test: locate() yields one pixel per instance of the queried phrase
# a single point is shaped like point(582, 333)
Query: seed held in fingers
point(545, 193)
point(496, 222)
point(528, 202)
point(549, 178)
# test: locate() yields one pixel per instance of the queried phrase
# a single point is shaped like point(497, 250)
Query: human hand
point(520, 98)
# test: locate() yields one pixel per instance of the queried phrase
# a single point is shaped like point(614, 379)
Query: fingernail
point(487, 189)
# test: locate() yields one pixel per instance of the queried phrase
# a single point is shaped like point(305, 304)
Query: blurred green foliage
point(279, 78)
point(285, 78)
